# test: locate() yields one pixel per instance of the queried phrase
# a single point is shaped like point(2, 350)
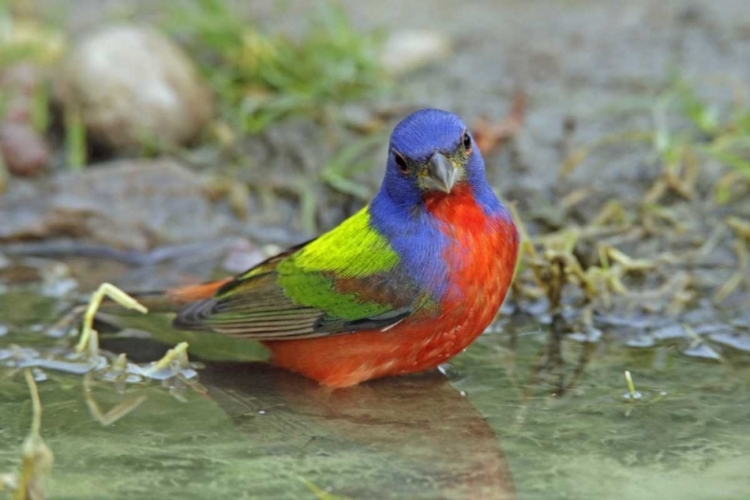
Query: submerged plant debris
point(36, 457)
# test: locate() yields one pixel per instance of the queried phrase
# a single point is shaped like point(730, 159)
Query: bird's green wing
point(347, 280)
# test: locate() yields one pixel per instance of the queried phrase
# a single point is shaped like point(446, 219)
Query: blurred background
point(155, 143)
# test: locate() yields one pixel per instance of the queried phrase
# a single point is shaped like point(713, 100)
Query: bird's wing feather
point(345, 281)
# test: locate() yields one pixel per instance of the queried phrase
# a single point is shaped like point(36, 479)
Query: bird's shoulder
point(353, 249)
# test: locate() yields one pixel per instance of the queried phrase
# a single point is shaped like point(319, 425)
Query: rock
point(136, 204)
point(670, 332)
point(406, 51)
point(739, 341)
point(702, 351)
point(640, 341)
point(131, 85)
point(22, 211)
point(128, 204)
point(24, 150)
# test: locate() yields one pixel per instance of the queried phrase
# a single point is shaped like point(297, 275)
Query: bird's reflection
point(551, 373)
point(419, 430)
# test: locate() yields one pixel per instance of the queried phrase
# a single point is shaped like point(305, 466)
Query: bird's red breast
point(480, 259)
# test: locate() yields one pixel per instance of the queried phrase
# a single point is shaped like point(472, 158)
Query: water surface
point(501, 421)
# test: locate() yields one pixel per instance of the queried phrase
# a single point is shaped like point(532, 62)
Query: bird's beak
point(441, 173)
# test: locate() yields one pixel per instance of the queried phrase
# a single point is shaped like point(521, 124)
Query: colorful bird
point(403, 285)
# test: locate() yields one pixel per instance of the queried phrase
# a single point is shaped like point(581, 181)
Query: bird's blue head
point(432, 161)
point(431, 153)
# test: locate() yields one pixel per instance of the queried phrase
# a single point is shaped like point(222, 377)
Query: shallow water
point(499, 422)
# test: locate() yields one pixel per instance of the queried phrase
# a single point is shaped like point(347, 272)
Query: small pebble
point(642, 341)
point(39, 375)
point(407, 51)
point(25, 152)
point(674, 331)
point(593, 335)
point(739, 341)
point(702, 351)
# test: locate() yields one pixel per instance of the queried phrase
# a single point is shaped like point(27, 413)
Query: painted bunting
point(401, 286)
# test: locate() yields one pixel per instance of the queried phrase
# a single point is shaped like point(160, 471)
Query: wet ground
point(526, 412)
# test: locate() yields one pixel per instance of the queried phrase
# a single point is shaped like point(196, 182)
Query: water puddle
point(521, 414)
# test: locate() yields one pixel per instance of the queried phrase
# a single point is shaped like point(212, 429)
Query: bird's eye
point(466, 141)
point(401, 162)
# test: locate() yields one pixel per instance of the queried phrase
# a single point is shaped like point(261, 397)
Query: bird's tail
point(185, 294)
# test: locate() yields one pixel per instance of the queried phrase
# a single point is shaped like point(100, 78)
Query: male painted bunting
point(401, 286)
